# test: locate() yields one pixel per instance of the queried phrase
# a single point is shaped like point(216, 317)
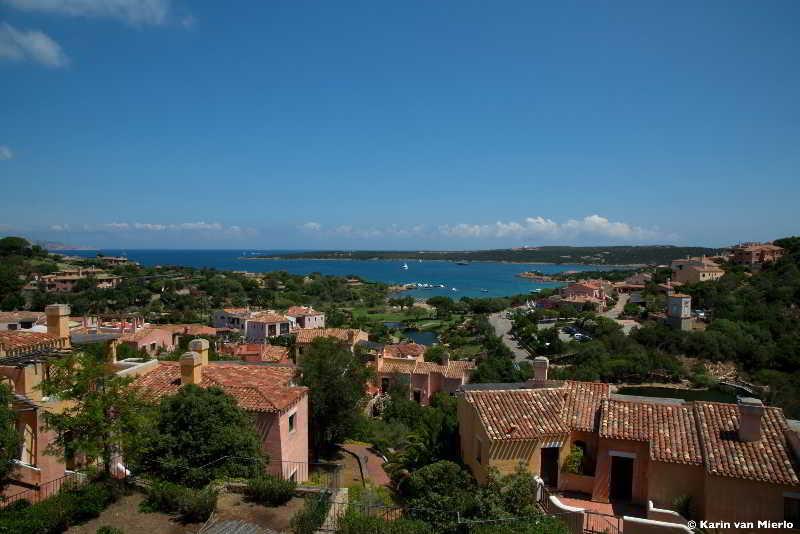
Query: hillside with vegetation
point(618, 255)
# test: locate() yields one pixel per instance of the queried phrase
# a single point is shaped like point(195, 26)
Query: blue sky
point(294, 124)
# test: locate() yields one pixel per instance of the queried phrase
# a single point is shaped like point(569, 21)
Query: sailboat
point(405, 266)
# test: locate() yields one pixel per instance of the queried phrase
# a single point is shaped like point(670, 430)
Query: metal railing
point(46, 490)
point(598, 523)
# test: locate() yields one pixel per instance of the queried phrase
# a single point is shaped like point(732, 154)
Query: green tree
point(336, 379)
point(200, 434)
point(103, 415)
point(9, 436)
point(439, 492)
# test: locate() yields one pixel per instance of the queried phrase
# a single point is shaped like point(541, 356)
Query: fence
point(46, 490)
point(314, 475)
point(593, 522)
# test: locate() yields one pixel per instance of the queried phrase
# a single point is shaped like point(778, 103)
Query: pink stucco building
point(23, 362)
point(151, 339)
point(405, 361)
point(268, 391)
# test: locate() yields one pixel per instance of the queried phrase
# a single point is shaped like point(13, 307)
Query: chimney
point(191, 368)
point(58, 321)
point(200, 346)
point(750, 412)
point(540, 365)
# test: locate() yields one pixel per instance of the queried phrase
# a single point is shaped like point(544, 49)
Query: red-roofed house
point(257, 353)
point(305, 317)
point(585, 291)
point(349, 337)
point(424, 379)
point(735, 462)
point(756, 253)
point(280, 407)
point(22, 372)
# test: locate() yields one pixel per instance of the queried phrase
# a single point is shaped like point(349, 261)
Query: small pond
point(394, 324)
point(713, 394)
point(422, 337)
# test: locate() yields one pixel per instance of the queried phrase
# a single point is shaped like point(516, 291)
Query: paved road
point(502, 326)
point(616, 311)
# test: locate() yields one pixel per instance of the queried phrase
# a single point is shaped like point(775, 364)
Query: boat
point(462, 262)
point(405, 266)
point(453, 289)
point(484, 290)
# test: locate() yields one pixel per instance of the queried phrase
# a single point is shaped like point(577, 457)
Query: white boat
point(453, 289)
point(405, 266)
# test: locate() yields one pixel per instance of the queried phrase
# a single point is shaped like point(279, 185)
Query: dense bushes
point(56, 514)
point(310, 518)
point(270, 490)
point(356, 523)
point(538, 525)
point(190, 505)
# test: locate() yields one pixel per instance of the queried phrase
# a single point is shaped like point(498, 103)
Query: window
point(292, 421)
point(791, 507)
point(26, 454)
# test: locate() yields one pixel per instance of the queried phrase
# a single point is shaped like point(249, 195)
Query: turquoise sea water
point(496, 278)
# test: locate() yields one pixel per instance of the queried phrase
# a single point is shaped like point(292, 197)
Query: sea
point(476, 279)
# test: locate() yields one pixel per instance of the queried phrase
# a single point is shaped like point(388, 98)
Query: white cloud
point(134, 12)
point(30, 45)
point(539, 227)
point(311, 226)
point(5, 153)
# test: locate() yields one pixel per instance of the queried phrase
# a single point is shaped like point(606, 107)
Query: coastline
point(619, 266)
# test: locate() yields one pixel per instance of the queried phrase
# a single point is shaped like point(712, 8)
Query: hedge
point(190, 505)
point(270, 490)
point(56, 514)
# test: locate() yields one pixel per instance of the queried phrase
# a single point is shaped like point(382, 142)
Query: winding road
point(502, 328)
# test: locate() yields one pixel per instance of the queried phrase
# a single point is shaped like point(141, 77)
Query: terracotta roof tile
point(520, 413)
point(302, 311)
point(308, 335)
point(189, 329)
point(257, 388)
point(669, 428)
point(17, 340)
point(404, 350)
point(267, 353)
point(583, 404)
point(766, 460)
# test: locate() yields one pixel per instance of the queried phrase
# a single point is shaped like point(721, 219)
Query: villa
point(756, 253)
point(67, 280)
point(267, 391)
point(349, 337)
point(305, 317)
point(405, 361)
point(732, 462)
point(696, 270)
point(24, 359)
point(585, 291)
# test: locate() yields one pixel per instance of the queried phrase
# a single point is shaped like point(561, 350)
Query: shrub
point(574, 461)
point(190, 505)
point(310, 518)
point(56, 514)
point(270, 490)
point(108, 530)
point(539, 525)
point(355, 523)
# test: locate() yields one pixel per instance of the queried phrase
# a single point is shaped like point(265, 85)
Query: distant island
point(616, 255)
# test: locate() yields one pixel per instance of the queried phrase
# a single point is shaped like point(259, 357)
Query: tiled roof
point(404, 350)
point(268, 317)
point(669, 428)
point(308, 335)
point(766, 460)
point(267, 353)
point(520, 414)
point(300, 311)
point(583, 403)
point(457, 369)
point(15, 340)
point(17, 316)
point(143, 333)
point(189, 329)
point(257, 388)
